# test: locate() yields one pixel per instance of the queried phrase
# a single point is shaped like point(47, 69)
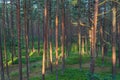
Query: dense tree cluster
point(55, 25)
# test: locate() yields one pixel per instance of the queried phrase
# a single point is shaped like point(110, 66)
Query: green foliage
point(74, 48)
point(74, 2)
point(74, 59)
point(69, 74)
point(35, 78)
point(107, 62)
point(32, 59)
point(94, 76)
point(72, 72)
point(107, 78)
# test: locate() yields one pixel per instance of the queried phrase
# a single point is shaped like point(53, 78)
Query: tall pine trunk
point(19, 39)
point(63, 36)
point(26, 38)
point(1, 58)
point(114, 11)
point(38, 28)
point(56, 38)
point(119, 44)
point(1, 54)
point(5, 37)
point(12, 30)
point(93, 39)
point(50, 35)
point(45, 38)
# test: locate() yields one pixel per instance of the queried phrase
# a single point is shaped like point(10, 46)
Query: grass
point(69, 74)
point(72, 71)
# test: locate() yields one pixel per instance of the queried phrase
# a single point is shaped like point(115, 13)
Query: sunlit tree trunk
point(114, 11)
point(56, 39)
point(19, 39)
point(83, 45)
point(26, 38)
point(79, 48)
point(45, 38)
point(93, 39)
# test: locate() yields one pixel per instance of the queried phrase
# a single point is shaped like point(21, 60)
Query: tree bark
point(93, 39)
point(1, 54)
point(114, 11)
point(5, 36)
point(45, 38)
point(56, 39)
point(12, 30)
point(63, 36)
point(26, 38)
point(119, 44)
point(102, 42)
point(50, 34)
point(1, 58)
point(38, 28)
point(19, 39)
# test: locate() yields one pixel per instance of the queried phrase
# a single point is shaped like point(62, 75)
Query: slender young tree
point(1, 58)
point(102, 42)
point(69, 30)
point(102, 25)
point(26, 38)
point(50, 35)
point(12, 29)
point(90, 21)
point(63, 35)
point(5, 36)
point(79, 36)
point(45, 38)
point(56, 39)
point(105, 50)
point(19, 39)
point(32, 33)
point(114, 11)
point(93, 39)
point(66, 30)
point(39, 27)
point(38, 36)
point(1, 54)
point(119, 43)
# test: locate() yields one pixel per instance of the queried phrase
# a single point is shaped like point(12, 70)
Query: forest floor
point(72, 69)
